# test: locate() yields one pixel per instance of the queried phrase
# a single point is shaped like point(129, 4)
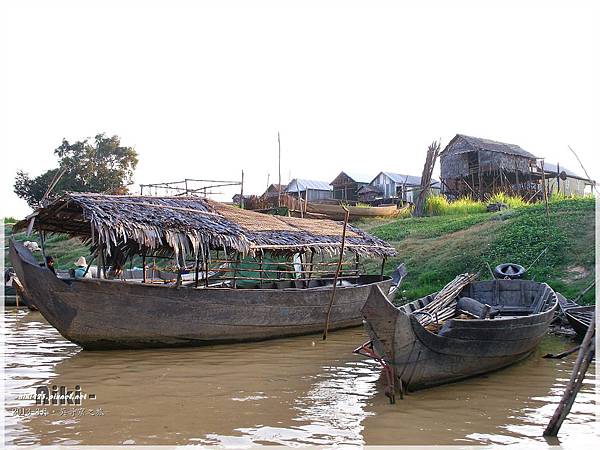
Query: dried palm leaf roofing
point(186, 225)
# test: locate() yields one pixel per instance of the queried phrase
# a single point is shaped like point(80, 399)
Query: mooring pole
point(337, 271)
point(584, 358)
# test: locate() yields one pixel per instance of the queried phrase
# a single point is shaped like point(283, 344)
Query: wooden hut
point(309, 190)
point(476, 167)
point(346, 185)
point(369, 194)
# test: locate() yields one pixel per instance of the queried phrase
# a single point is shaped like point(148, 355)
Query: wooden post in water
point(584, 358)
point(337, 271)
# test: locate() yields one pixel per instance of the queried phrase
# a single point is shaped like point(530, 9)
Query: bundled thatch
point(190, 225)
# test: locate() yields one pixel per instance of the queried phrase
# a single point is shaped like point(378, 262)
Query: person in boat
point(80, 272)
point(49, 264)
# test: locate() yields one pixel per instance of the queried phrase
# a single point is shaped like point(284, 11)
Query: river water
point(288, 392)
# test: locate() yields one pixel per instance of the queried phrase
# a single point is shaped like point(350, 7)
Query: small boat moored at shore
point(416, 358)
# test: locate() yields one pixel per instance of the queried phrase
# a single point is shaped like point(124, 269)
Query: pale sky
point(201, 88)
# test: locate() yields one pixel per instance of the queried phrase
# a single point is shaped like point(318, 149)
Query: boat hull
point(422, 359)
point(337, 211)
point(580, 318)
point(103, 314)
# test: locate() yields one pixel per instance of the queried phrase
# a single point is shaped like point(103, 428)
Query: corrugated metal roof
point(551, 168)
point(298, 184)
point(408, 179)
point(359, 177)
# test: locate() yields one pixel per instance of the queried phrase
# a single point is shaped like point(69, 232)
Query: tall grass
point(508, 200)
point(438, 205)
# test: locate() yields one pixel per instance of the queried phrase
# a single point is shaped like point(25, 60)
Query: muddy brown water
point(289, 392)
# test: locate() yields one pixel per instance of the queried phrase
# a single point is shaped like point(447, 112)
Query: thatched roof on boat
point(186, 225)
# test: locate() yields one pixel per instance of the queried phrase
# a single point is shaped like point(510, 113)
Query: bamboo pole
point(144, 266)
point(337, 271)
point(279, 171)
point(545, 191)
point(206, 257)
point(584, 358)
point(242, 192)
point(197, 272)
point(260, 268)
point(43, 242)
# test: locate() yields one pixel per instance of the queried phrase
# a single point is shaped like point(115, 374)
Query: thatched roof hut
point(471, 165)
point(487, 154)
point(182, 226)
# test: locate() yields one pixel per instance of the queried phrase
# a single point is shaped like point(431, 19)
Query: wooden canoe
point(337, 212)
point(463, 347)
point(580, 318)
point(106, 314)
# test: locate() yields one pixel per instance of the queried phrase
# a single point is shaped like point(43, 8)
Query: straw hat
point(81, 262)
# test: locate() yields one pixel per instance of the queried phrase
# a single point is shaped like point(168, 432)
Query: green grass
point(427, 227)
point(436, 249)
point(438, 205)
point(63, 249)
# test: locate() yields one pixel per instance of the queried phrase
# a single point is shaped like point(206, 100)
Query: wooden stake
point(584, 358)
point(337, 271)
point(279, 170)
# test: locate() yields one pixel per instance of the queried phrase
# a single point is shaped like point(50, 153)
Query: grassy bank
point(435, 249)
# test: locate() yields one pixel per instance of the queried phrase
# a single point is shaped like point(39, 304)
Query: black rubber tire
point(509, 270)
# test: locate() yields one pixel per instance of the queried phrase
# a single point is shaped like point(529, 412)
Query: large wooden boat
point(337, 211)
point(462, 348)
point(245, 306)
